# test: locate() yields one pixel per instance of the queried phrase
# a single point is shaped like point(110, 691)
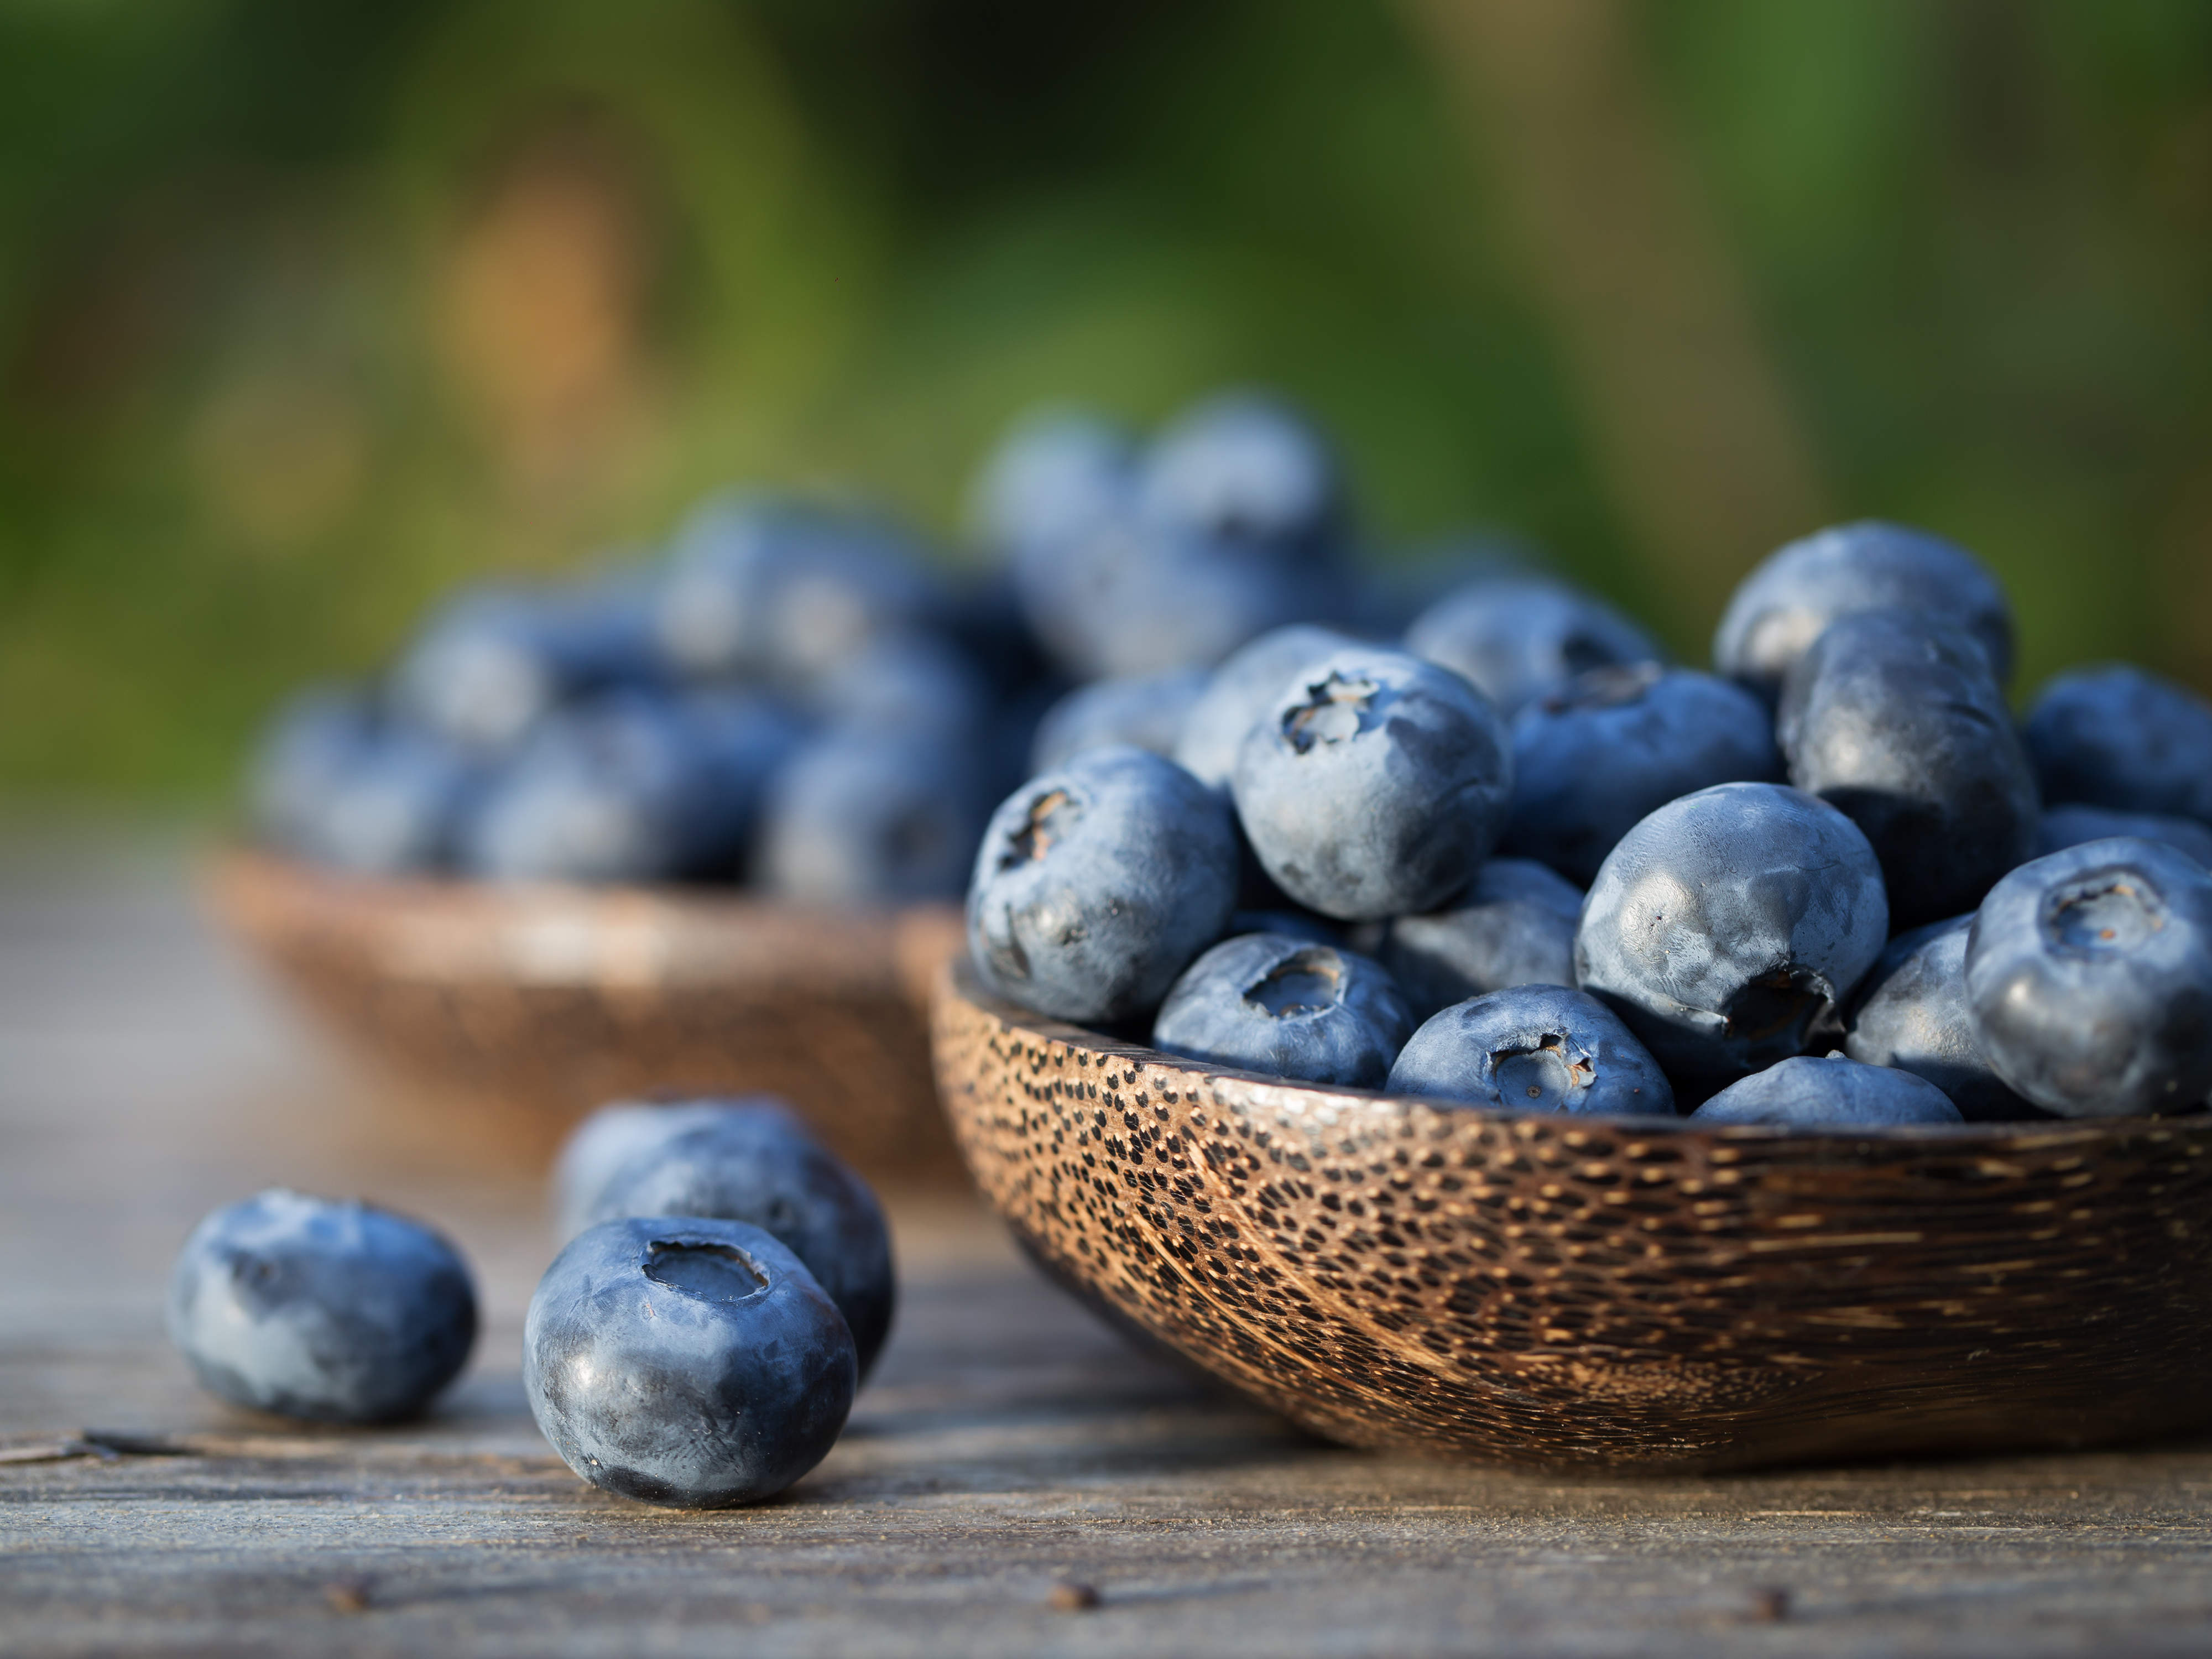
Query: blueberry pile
point(724, 1285)
point(1502, 853)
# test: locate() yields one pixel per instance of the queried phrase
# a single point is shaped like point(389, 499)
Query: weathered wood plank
point(1012, 1445)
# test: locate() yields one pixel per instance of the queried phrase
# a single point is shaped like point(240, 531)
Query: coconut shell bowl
point(1606, 1294)
point(520, 1008)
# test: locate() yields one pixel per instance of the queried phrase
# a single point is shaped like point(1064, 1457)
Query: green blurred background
point(307, 312)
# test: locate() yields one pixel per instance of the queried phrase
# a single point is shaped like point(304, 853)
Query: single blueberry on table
point(1534, 1048)
point(787, 588)
point(1790, 598)
point(493, 662)
point(336, 1312)
point(1726, 927)
point(1515, 925)
point(1895, 720)
point(2119, 737)
point(1284, 1006)
point(631, 786)
point(1911, 1012)
point(2089, 974)
point(1245, 469)
point(686, 1362)
point(2070, 826)
point(1144, 710)
point(1096, 885)
point(1375, 785)
point(879, 817)
point(1240, 693)
point(1516, 637)
point(1591, 758)
point(1834, 1093)
point(752, 1161)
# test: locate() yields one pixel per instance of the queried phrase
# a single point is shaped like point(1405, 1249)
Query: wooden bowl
point(528, 1005)
point(1606, 1293)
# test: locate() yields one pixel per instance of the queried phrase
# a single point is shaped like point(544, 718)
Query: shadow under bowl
point(525, 1007)
point(1600, 1293)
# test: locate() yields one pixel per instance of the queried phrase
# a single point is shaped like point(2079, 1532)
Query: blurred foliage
point(306, 313)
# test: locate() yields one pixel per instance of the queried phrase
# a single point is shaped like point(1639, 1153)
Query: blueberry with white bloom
point(1534, 1048)
point(1591, 758)
point(1515, 925)
point(1516, 637)
point(1791, 597)
point(871, 817)
point(337, 1312)
point(338, 785)
point(1375, 785)
point(1836, 1092)
point(1895, 720)
point(1911, 1012)
point(1245, 468)
point(1267, 1002)
point(686, 1362)
point(2089, 974)
point(1145, 710)
point(2120, 736)
point(1241, 691)
point(2070, 826)
point(1096, 885)
point(1727, 927)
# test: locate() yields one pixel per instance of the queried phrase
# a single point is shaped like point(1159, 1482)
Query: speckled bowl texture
point(1600, 1293)
point(525, 1007)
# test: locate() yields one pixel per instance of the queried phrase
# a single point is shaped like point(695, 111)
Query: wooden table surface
point(1009, 1447)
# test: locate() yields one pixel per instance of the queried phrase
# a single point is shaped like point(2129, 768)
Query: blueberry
point(1614, 744)
point(787, 588)
point(1265, 1003)
point(1517, 637)
point(488, 665)
point(1534, 1048)
point(2118, 737)
point(752, 1161)
point(2070, 826)
point(599, 1146)
point(1097, 883)
point(1287, 924)
point(336, 1312)
point(1895, 720)
point(686, 1362)
point(1375, 785)
point(1837, 1093)
point(1392, 596)
point(2089, 974)
point(1515, 925)
point(1241, 691)
point(863, 817)
point(1911, 1012)
point(1728, 925)
point(1790, 600)
point(1245, 468)
point(913, 681)
point(631, 786)
point(1057, 475)
point(338, 785)
point(1145, 710)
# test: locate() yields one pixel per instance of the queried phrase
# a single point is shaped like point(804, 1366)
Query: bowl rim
point(961, 978)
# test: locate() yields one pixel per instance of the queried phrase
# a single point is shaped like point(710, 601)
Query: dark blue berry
point(1517, 637)
point(1375, 785)
point(686, 1362)
point(1533, 1048)
point(1267, 1002)
point(1834, 1093)
point(1727, 927)
point(338, 785)
point(2070, 826)
point(2119, 737)
point(1911, 1012)
point(1895, 720)
point(871, 817)
point(1614, 744)
point(2089, 974)
point(1515, 925)
point(1244, 469)
point(1790, 600)
point(1145, 710)
point(1097, 886)
point(336, 1312)
point(1240, 694)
